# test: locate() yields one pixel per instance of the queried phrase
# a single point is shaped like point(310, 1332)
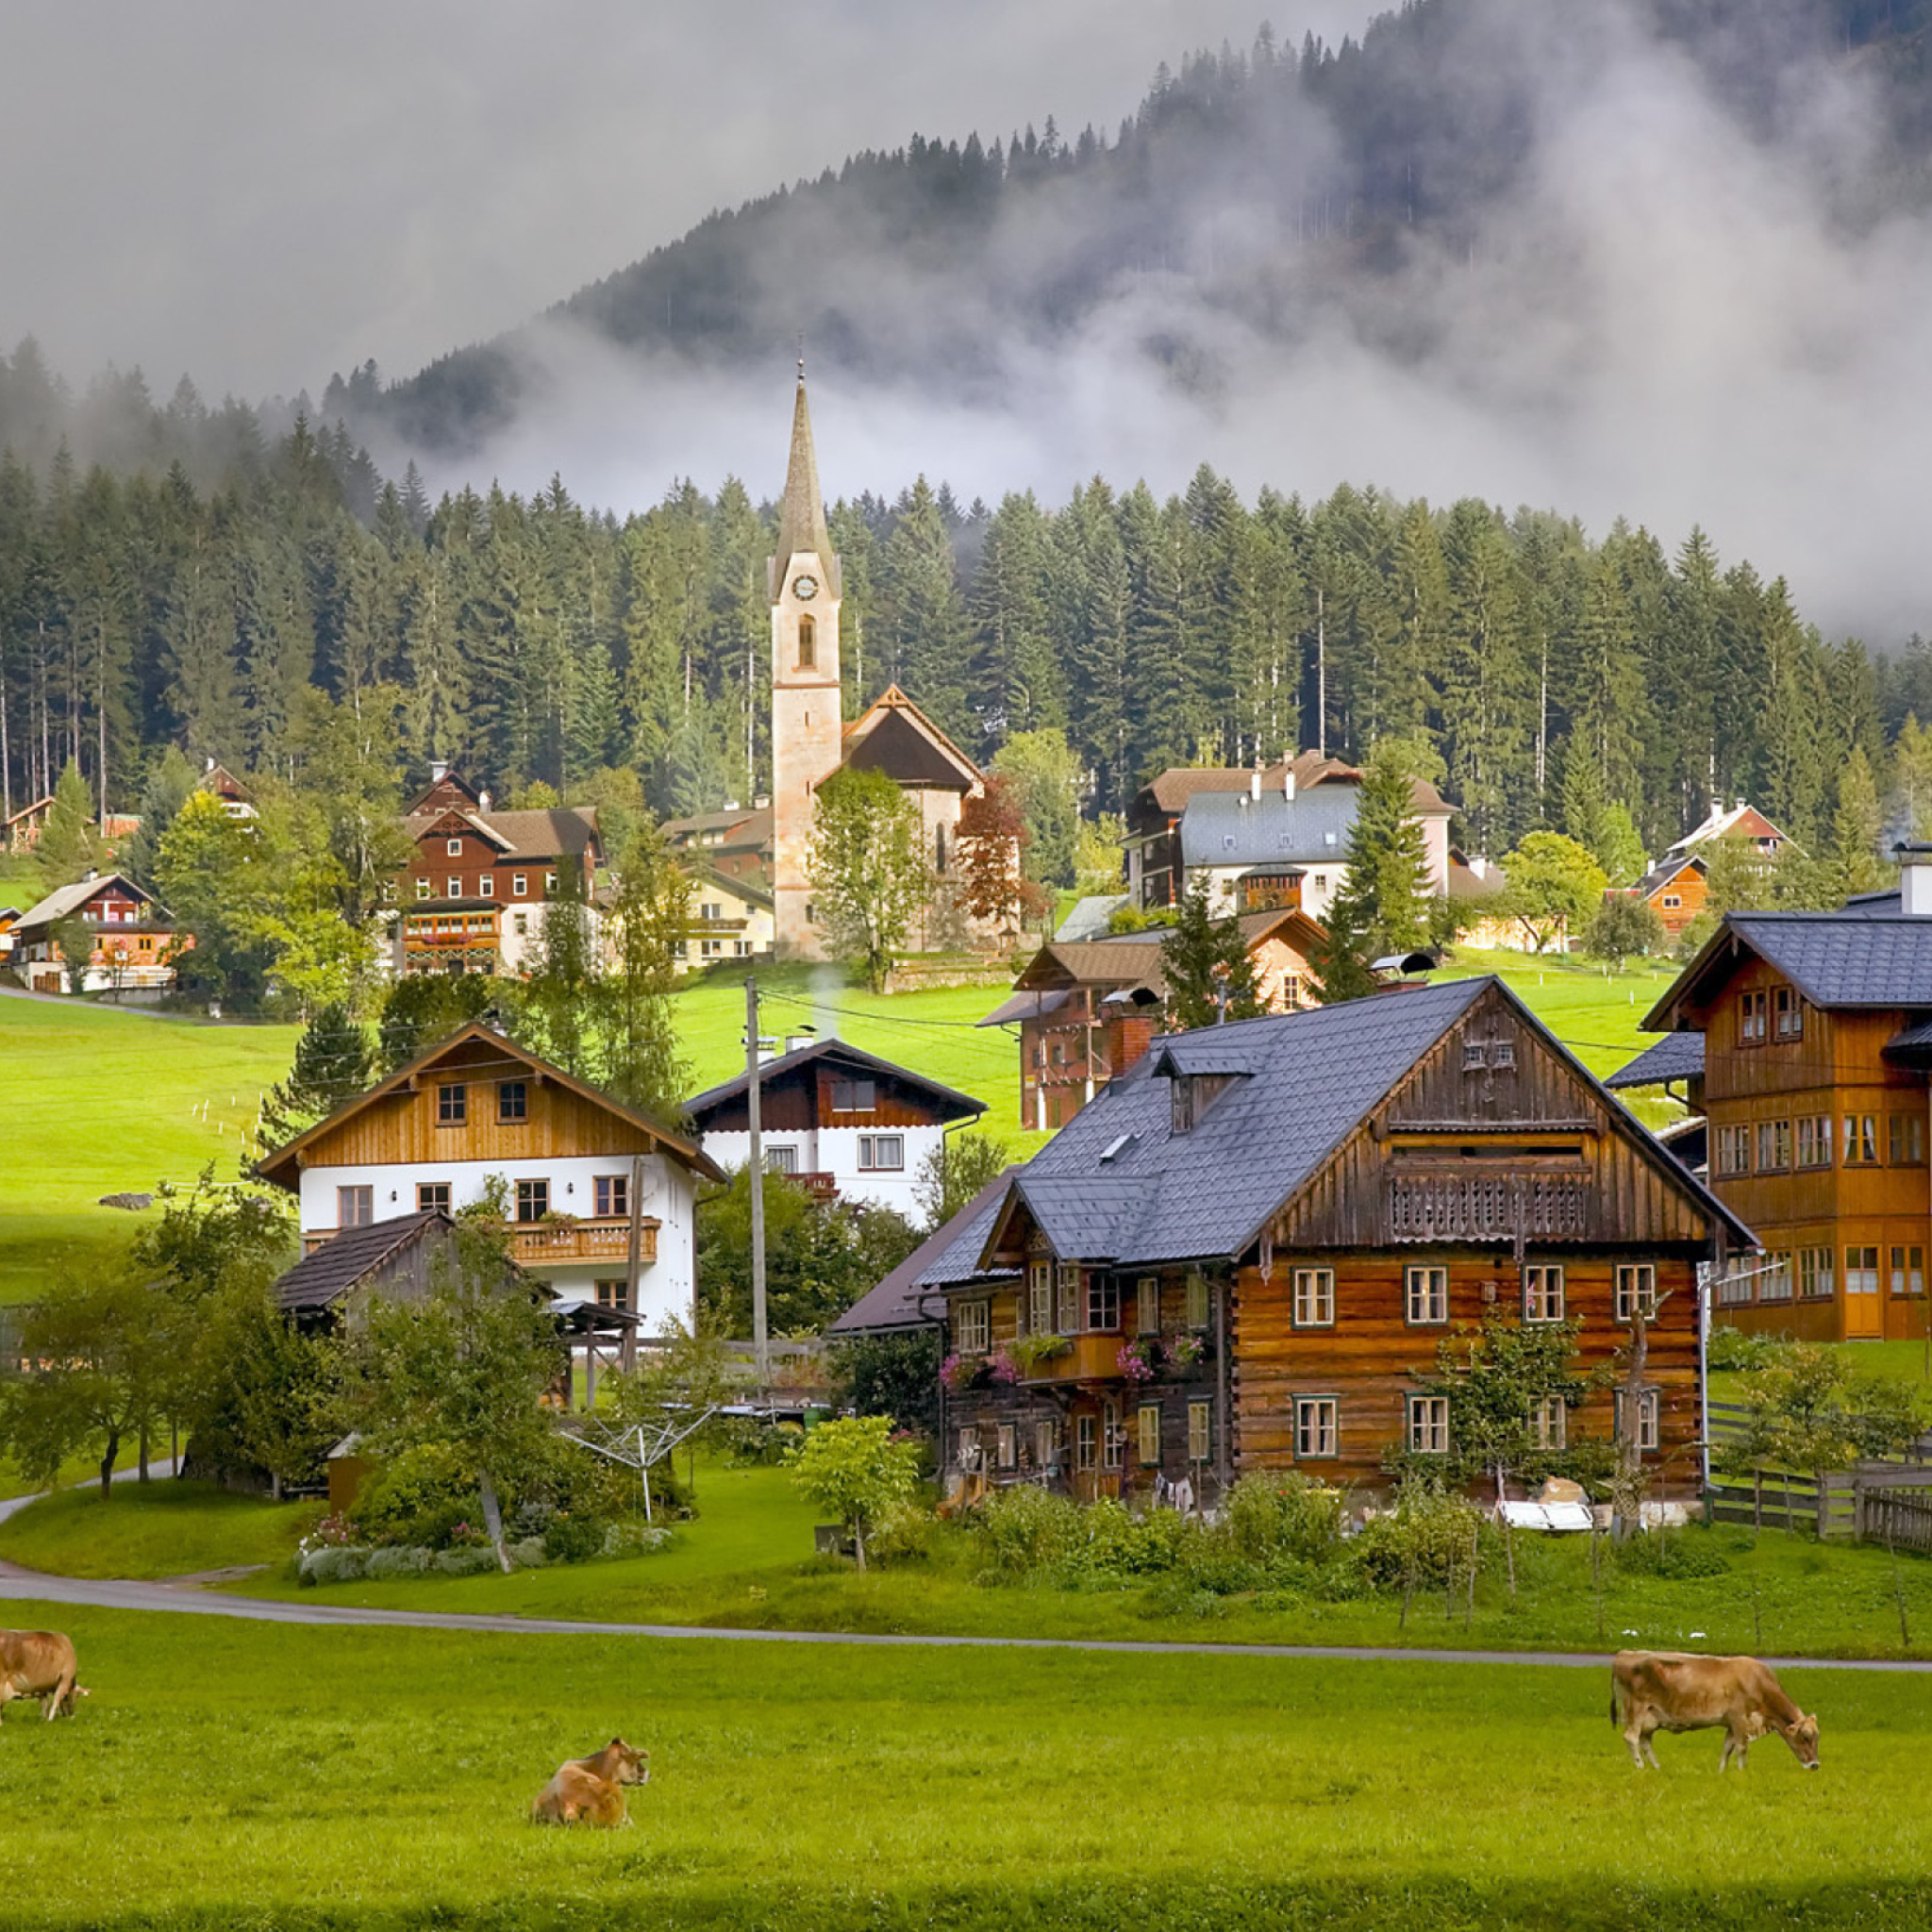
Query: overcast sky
point(258, 193)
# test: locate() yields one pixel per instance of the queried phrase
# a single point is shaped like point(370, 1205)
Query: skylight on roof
point(1117, 1146)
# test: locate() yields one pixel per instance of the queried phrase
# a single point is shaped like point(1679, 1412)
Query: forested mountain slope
point(1268, 188)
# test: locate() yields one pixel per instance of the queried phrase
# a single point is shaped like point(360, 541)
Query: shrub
point(1675, 1554)
point(574, 1538)
point(1284, 1515)
point(1023, 1530)
point(1422, 1542)
point(748, 1443)
point(336, 1563)
point(1733, 1349)
point(528, 1555)
point(398, 1563)
point(903, 1533)
point(636, 1539)
point(423, 1496)
point(465, 1562)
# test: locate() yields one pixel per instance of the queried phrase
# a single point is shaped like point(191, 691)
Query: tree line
point(536, 642)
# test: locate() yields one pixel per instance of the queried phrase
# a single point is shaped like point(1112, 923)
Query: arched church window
point(807, 645)
point(939, 848)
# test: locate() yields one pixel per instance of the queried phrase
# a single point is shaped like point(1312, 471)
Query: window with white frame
point(550, 884)
point(1147, 1305)
point(1069, 1284)
point(1428, 1425)
point(1046, 1445)
point(1110, 1434)
point(486, 886)
point(1039, 1298)
point(973, 1331)
point(1635, 1293)
point(1198, 1304)
point(453, 886)
point(1317, 1426)
point(1549, 1422)
point(1148, 1431)
point(1314, 1297)
point(453, 847)
point(781, 1158)
point(1543, 1293)
point(1200, 1430)
point(423, 889)
point(519, 884)
point(969, 1446)
point(1648, 1411)
point(881, 1153)
point(1008, 1446)
point(1425, 1295)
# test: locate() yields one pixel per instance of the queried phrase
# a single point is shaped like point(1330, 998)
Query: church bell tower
point(807, 724)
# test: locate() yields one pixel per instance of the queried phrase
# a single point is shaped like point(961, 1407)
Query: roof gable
point(910, 740)
point(463, 1049)
point(948, 1101)
point(1854, 958)
point(66, 901)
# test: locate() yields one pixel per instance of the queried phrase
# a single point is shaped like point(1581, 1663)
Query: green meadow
point(242, 1774)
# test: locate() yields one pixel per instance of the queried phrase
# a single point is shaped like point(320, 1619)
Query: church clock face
point(805, 588)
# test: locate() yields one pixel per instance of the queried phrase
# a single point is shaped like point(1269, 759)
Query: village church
point(810, 739)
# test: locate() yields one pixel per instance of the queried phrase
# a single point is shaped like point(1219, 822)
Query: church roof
point(895, 736)
point(802, 516)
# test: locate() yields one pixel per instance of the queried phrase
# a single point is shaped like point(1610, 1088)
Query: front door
point(1864, 1313)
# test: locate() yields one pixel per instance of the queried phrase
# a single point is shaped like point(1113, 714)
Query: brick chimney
point(1128, 1022)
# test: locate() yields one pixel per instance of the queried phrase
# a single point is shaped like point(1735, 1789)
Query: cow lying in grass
point(589, 1790)
point(1671, 1690)
point(38, 1663)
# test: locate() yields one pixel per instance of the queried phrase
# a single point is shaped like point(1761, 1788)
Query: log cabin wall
point(798, 1100)
point(1369, 1360)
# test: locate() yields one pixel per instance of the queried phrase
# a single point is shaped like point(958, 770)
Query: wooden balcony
point(541, 1245)
point(1091, 1359)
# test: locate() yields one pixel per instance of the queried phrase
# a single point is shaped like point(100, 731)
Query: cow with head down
point(1654, 1690)
point(38, 1663)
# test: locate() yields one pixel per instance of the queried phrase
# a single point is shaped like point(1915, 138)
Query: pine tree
point(1855, 830)
point(70, 845)
point(1209, 974)
point(560, 992)
point(334, 1062)
point(641, 1060)
point(1386, 899)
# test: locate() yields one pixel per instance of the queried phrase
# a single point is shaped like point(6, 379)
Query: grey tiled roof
point(1845, 960)
point(1231, 828)
point(319, 1279)
point(895, 1303)
point(1167, 1197)
point(1675, 1056)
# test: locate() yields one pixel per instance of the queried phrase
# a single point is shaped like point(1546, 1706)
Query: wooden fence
point(1727, 1420)
point(1889, 1503)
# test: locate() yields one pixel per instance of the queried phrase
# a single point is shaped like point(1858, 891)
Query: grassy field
point(244, 1775)
point(160, 1528)
point(102, 1102)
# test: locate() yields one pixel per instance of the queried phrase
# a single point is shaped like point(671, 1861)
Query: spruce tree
point(70, 845)
point(1210, 975)
point(334, 1062)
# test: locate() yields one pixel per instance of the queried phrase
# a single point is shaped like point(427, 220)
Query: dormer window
point(1181, 1102)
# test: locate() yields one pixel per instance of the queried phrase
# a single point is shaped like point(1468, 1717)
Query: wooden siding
point(1489, 1153)
point(799, 1100)
point(1370, 1358)
point(1686, 885)
point(401, 1128)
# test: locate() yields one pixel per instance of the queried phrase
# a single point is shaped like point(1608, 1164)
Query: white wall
point(835, 1150)
point(666, 1287)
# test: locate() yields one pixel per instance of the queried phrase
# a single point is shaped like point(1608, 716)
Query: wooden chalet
point(471, 898)
point(841, 1122)
point(1087, 1008)
point(735, 842)
point(1675, 888)
point(237, 799)
point(1815, 1031)
point(1243, 1253)
point(581, 1176)
point(131, 939)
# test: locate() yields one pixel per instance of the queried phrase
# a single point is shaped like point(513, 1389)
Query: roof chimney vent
point(439, 771)
point(1288, 783)
point(1255, 783)
point(482, 801)
point(1914, 878)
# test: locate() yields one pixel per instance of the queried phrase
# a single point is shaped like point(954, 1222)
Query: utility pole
point(761, 1341)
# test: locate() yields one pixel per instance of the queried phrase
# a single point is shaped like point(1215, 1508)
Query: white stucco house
point(477, 1115)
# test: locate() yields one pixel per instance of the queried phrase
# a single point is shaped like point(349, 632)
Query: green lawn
point(101, 1102)
point(238, 1775)
point(160, 1528)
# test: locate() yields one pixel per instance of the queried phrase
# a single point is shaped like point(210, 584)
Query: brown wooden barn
point(1242, 1253)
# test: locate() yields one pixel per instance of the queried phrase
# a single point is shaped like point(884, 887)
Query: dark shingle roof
point(1675, 1056)
point(321, 1279)
point(1836, 959)
point(895, 1303)
point(844, 1054)
point(1309, 1079)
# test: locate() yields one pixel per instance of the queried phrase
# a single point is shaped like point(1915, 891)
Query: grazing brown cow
point(1654, 1690)
point(589, 1790)
point(38, 1663)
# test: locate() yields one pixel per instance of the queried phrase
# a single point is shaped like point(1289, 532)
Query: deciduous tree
point(867, 869)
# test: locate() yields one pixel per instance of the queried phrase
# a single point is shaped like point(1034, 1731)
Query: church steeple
point(802, 516)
